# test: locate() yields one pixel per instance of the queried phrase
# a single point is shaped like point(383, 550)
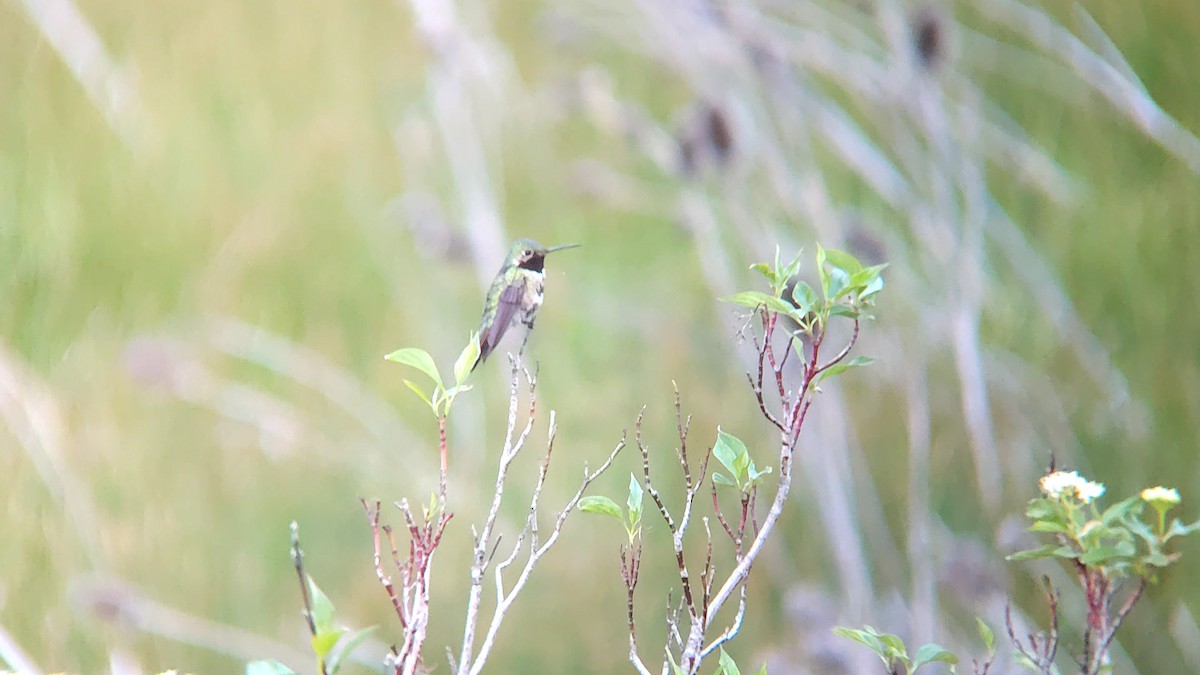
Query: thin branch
point(720, 514)
point(298, 563)
point(1126, 608)
point(512, 446)
point(506, 598)
point(733, 629)
point(842, 354)
point(709, 571)
point(1040, 655)
point(384, 579)
point(631, 561)
point(645, 452)
point(756, 387)
point(682, 426)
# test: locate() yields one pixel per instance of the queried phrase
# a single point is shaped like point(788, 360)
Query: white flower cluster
point(1061, 483)
point(1161, 494)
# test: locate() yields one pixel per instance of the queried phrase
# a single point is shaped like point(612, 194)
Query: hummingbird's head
point(530, 255)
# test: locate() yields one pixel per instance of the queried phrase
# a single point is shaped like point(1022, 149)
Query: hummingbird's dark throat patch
point(536, 264)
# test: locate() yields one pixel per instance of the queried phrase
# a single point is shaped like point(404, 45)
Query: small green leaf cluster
point(441, 398)
point(847, 289)
point(891, 649)
point(327, 634)
point(1117, 540)
point(731, 452)
point(630, 517)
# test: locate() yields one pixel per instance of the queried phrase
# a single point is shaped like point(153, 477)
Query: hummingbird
point(516, 294)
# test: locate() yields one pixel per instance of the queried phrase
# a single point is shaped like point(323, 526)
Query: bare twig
point(298, 563)
point(649, 484)
point(384, 579)
point(513, 443)
point(1126, 608)
point(702, 608)
point(631, 561)
point(733, 629)
point(1041, 648)
point(506, 596)
point(411, 604)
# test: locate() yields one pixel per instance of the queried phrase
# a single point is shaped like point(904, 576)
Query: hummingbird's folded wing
point(506, 310)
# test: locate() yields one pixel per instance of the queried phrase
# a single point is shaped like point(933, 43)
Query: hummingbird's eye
point(527, 253)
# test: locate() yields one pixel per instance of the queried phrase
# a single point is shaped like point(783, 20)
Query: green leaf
point(822, 271)
point(1047, 526)
point(467, 359)
point(1178, 529)
point(726, 665)
point(873, 287)
point(730, 451)
point(432, 508)
point(856, 362)
point(1143, 531)
point(268, 667)
point(844, 310)
point(843, 261)
point(1121, 509)
point(742, 464)
point(601, 504)
point(755, 473)
point(721, 479)
point(757, 299)
point(1160, 559)
point(322, 608)
point(865, 275)
point(421, 392)
point(334, 662)
point(323, 642)
point(839, 283)
point(765, 270)
point(932, 653)
point(1044, 508)
point(986, 634)
point(635, 497)
point(805, 297)
point(458, 389)
point(1047, 551)
point(863, 637)
point(793, 268)
point(762, 670)
point(894, 644)
point(419, 359)
point(751, 299)
point(674, 666)
point(1101, 555)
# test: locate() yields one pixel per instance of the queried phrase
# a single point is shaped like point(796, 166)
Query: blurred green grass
point(259, 189)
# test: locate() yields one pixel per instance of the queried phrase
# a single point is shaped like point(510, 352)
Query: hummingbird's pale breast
point(535, 291)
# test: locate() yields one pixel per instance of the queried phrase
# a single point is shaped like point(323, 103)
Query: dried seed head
point(929, 37)
point(706, 137)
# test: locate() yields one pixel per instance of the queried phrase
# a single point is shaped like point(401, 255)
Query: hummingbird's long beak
point(552, 249)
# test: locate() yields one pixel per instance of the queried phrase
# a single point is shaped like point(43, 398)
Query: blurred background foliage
point(215, 223)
